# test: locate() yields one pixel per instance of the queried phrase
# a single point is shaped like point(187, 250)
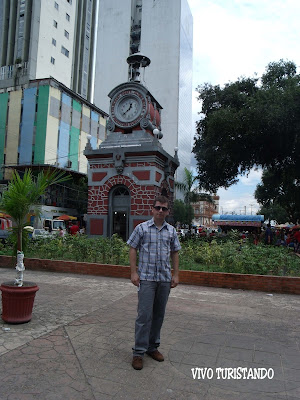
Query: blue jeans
point(152, 300)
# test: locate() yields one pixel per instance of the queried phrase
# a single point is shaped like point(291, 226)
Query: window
point(67, 34)
point(56, 5)
point(55, 23)
point(65, 51)
point(52, 60)
point(67, 17)
point(54, 42)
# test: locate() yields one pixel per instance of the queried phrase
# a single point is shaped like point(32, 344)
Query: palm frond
point(25, 193)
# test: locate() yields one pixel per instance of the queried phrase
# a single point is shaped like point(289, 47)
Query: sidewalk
point(78, 344)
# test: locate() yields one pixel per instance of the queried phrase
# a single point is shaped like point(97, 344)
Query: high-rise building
point(46, 56)
point(41, 39)
point(163, 31)
point(84, 45)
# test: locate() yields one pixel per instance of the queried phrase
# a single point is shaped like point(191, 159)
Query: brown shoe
point(137, 362)
point(156, 355)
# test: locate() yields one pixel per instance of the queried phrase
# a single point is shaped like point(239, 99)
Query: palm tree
point(191, 195)
point(17, 201)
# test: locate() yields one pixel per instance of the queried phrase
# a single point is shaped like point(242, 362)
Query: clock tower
point(130, 168)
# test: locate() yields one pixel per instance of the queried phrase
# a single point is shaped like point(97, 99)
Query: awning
point(65, 217)
point(237, 217)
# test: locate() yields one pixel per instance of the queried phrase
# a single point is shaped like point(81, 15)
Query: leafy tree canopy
point(183, 213)
point(274, 212)
point(248, 123)
point(279, 194)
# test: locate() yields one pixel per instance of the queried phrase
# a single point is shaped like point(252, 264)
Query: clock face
point(127, 108)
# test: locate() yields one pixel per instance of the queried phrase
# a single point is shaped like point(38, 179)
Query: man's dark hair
point(161, 199)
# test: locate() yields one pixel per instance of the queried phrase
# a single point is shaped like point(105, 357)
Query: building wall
point(27, 126)
point(36, 31)
point(75, 134)
point(52, 126)
point(3, 118)
point(41, 125)
point(62, 68)
point(46, 125)
point(13, 127)
point(160, 41)
point(114, 23)
point(185, 90)
point(204, 210)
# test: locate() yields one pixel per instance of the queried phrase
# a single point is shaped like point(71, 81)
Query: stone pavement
point(78, 344)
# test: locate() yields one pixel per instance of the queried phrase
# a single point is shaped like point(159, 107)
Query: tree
point(191, 192)
point(279, 194)
point(23, 194)
point(183, 213)
point(190, 189)
point(248, 123)
point(274, 212)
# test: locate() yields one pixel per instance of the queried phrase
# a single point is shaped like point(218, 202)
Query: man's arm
point(175, 265)
point(135, 279)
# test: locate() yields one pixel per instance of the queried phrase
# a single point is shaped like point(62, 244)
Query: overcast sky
point(234, 38)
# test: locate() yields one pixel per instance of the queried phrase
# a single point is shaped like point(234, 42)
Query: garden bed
point(265, 283)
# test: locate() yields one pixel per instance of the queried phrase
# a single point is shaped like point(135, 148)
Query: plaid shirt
point(155, 246)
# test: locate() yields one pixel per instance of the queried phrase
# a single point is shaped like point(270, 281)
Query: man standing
point(156, 241)
point(74, 229)
point(268, 235)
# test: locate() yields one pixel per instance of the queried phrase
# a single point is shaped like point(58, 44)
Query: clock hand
point(128, 109)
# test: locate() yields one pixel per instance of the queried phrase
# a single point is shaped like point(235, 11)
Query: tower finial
point(136, 61)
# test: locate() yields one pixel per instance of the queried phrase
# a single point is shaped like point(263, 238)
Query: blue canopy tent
point(234, 221)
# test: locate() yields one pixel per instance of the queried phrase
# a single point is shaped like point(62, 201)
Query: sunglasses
point(158, 208)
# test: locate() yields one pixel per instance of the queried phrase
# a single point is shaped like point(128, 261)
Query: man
point(268, 235)
point(297, 240)
point(74, 229)
point(156, 241)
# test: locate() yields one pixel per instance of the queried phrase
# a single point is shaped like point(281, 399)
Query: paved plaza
point(78, 344)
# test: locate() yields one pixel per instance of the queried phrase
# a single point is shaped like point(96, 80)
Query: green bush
point(215, 254)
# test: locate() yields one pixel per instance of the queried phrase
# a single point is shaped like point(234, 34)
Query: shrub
point(230, 255)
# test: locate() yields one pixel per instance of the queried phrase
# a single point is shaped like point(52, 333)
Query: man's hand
point(175, 281)
point(135, 279)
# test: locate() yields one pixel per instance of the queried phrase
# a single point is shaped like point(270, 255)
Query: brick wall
point(264, 283)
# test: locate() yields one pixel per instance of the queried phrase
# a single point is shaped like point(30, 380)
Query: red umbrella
point(65, 217)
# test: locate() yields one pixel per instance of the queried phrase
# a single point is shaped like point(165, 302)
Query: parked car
point(40, 234)
point(182, 232)
point(4, 233)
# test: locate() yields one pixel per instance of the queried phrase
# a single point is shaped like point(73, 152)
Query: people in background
point(268, 235)
point(61, 232)
point(74, 229)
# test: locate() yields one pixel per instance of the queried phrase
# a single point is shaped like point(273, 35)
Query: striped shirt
point(154, 245)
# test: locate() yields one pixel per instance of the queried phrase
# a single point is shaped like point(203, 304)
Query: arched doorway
point(119, 211)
